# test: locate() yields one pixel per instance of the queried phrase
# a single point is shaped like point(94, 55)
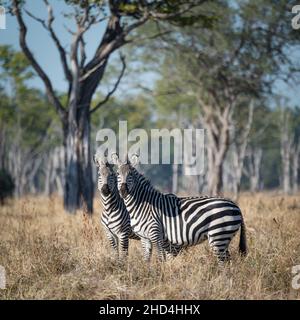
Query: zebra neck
point(144, 194)
point(110, 201)
point(143, 191)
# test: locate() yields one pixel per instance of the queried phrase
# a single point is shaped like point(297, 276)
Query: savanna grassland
point(49, 254)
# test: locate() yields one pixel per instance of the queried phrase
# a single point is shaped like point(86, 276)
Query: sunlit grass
point(49, 254)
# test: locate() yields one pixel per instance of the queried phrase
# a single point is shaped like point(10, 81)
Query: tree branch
point(137, 24)
point(48, 26)
point(60, 49)
point(152, 37)
point(110, 93)
point(82, 52)
point(22, 39)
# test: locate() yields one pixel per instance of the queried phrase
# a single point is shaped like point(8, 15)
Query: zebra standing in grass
point(115, 218)
point(179, 221)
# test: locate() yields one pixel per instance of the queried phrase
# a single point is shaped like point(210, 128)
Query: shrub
point(6, 185)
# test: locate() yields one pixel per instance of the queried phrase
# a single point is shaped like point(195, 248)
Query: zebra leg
point(160, 250)
point(220, 248)
point(157, 239)
point(123, 244)
point(147, 249)
point(222, 255)
point(113, 241)
point(172, 251)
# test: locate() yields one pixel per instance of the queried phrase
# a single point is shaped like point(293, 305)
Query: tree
point(289, 128)
point(240, 135)
point(239, 58)
point(83, 77)
point(25, 122)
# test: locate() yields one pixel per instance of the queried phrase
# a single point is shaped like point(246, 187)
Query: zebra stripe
point(179, 221)
point(115, 218)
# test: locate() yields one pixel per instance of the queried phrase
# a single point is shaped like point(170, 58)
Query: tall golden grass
point(49, 254)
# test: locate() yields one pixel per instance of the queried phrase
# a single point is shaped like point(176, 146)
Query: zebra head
point(105, 175)
point(125, 173)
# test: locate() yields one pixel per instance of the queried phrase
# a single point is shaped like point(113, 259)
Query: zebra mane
point(147, 183)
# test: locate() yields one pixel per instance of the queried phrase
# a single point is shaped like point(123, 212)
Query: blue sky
point(46, 53)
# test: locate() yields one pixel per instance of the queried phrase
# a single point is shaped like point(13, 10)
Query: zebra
point(115, 218)
point(179, 221)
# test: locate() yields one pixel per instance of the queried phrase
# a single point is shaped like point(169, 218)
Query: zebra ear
point(115, 158)
point(134, 160)
point(99, 159)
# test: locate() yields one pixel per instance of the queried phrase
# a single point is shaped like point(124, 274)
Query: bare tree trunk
point(190, 181)
point(237, 171)
point(48, 174)
point(217, 150)
point(59, 167)
point(228, 175)
point(31, 174)
point(201, 183)
point(215, 176)
point(216, 121)
point(286, 173)
point(285, 150)
point(295, 166)
point(78, 178)
point(174, 178)
point(239, 146)
point(54, 173)
point(253, 171)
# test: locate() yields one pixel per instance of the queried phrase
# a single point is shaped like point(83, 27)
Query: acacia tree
point(260, 138)
point(240, 57)
point(122, 18)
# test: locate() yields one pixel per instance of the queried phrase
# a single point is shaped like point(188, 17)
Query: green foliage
point(201, 20)
point(137, 113)
point(172, 103)
point(14, 65)
point(84, 3)
point(129, 8)
point(25, 113)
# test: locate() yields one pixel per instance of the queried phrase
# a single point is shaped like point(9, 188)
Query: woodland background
point(231, 68)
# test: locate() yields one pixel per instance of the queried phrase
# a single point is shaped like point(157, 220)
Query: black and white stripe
point(115, 217)
point(179, 221)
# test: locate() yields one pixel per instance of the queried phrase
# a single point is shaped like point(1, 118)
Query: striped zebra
point(115, 218)
point(179, 221)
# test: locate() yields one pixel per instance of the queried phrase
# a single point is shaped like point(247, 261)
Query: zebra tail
point(243, 242)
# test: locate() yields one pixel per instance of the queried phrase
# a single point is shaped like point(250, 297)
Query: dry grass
point(49, 254)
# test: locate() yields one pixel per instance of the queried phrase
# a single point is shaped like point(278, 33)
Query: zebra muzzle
point(124, 190)
point(105, 190)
